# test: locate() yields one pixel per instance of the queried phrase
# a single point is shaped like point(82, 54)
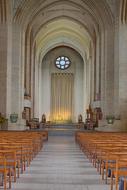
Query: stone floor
point(60, 166)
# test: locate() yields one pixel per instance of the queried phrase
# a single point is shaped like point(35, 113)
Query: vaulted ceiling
point(63, 22)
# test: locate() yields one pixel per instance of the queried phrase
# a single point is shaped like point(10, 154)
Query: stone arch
point(98, 21)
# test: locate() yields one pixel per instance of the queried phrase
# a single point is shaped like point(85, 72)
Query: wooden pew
point(103, 149)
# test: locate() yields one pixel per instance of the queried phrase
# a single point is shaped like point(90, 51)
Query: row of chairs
point(17, 149)
point(108, 153)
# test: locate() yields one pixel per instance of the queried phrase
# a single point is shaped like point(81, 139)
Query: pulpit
point(93, 116)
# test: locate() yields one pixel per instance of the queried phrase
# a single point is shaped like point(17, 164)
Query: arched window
point(62, 62)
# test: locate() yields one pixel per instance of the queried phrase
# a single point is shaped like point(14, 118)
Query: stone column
point(97, 92)
point(107, 73)
point(5, 55)
point(92, 83)
point(3, 66)
point(87, 90)
point(123, 74)
point(17, 88)
point(36, 89)
point(107, 80)
point(116, 70)
point(85, 86)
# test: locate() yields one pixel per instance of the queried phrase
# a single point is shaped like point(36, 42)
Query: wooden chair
point(103, 150)
point(5, 171)
point(125, 184)
point(17, 149)
point(119, 171)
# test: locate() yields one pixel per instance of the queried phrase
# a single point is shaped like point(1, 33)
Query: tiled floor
point(60, 166)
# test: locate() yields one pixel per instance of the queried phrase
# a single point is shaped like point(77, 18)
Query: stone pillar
point(92, 78)
point(17, 88)
point(3, 67)
point(87, 90)
point(97, 92)
point(28, 60)
point(107, 73)
point(5, 54)
point(33, 79)
point(85, 86)
point(123, 74)
point(116, 70)
point(120, 78)
point(36, 89)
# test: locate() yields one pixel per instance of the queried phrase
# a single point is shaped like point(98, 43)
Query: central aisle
point(60, 166)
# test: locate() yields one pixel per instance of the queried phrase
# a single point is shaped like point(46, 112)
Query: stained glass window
point(62, 62)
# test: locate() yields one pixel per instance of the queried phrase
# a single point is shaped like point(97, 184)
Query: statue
point(24, 114)
point(43, 119)
point(80, 118)
point(3, 122)
point(28, 124)
point(89, 118)
point(80, 121)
